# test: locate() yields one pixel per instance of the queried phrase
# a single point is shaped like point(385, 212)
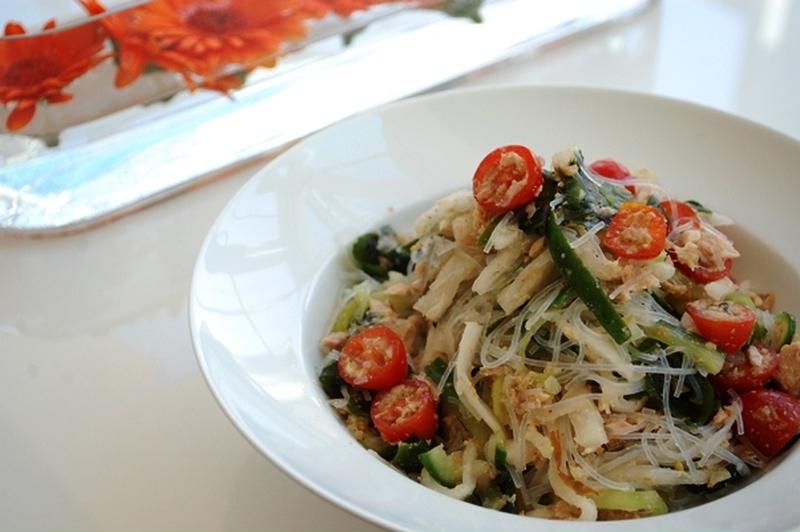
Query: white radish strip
point(497, 228)
point(467, 349)
point(587, 507)
point(563, 407)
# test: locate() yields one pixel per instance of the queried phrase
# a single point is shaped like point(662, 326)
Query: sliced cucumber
point(500, 455)
point(742, 299)
point(498, 400)
point(782, 331)
point(648, 502)
point(495, 451)
point(442, 467)
point(704, 356)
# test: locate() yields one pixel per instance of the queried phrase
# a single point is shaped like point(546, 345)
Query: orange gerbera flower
point(39, 67)
point(201, 37)
point(345, 8)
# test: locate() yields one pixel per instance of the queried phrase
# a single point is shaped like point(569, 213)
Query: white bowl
point(269, 273)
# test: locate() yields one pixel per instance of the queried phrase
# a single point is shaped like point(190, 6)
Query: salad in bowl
point(565, 342)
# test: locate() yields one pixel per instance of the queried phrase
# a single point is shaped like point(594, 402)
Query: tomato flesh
point(507, 178)
point(637, 231)
point(406, 411)
point(703, 274)
point(611, 169)
point(374, 359)
point(741, 373)
point(771, 419)
point(679, 213)
point(728, 325)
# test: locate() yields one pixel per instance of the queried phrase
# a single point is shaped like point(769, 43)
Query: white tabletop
point(106, 420)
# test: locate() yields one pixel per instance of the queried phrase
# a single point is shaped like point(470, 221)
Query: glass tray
point(110, 150)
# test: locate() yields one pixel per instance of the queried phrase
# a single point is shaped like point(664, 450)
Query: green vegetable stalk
point(584, 283)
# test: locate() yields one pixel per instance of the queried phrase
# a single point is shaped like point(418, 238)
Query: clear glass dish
point(114, 106)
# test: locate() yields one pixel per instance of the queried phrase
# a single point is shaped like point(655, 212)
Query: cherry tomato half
point(638, 231)
point(728, 325)
point(771, 419)
point(679, 213)
point(741, 374)
point(374, 359)
point(703, 274)
point(507, 178)
point(405, 411)
point(611, 169)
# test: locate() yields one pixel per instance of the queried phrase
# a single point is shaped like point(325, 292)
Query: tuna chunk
point(788, 375)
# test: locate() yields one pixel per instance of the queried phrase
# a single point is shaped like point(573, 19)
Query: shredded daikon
point(467, 349)
point(497, 231)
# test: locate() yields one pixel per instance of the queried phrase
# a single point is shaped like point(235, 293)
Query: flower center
point(216, 20)
point(31, 71)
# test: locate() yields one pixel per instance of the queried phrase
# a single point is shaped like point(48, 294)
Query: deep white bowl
point(268, 276)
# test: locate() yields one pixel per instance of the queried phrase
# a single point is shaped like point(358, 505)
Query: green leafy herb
point(377, 262)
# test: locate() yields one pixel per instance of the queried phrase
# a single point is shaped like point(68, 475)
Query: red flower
point(39, 67)
point(199, 38)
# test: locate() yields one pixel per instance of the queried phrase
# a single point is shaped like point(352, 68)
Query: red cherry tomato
point(703, 274)
point(741, 374)
point(611, 169)
point(405, 411)
point(728, 325)
point(679, 213)
point(771, 419)
point(507, 178)
point(374, 359)
point(638, 231)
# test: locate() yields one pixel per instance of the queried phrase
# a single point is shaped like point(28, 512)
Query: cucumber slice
point(782, 331)
point(500, 455)
point(442, 467)
point(742, 299)
point(647, 502)
point(498, 404)
point(495, 451)
point(690, 344)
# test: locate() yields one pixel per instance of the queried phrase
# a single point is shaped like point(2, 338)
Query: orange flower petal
point(21, 115)
point(131, 65)
point(93, 7)
point(14, 28)
point(61, 97)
